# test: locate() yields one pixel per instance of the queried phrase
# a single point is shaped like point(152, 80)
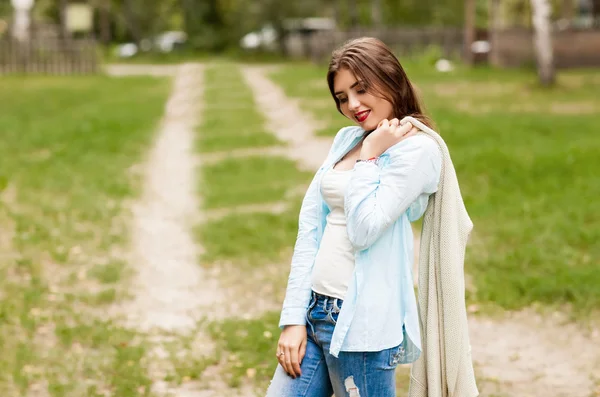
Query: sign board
point(79, 18)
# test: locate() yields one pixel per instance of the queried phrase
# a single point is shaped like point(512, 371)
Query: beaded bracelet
point(373, 160)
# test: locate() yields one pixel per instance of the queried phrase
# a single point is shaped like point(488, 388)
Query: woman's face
point(357, 104)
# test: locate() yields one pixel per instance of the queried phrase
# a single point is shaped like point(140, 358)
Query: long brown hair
point(371, 61)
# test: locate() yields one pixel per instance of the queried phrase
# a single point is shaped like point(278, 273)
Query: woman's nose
point(353, 103)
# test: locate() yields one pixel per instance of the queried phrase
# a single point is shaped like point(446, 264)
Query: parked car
point(126, 50)
point(265, 38)
point(164, 42)
point(170, 41)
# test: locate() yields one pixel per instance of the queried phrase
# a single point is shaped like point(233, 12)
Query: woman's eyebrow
point(351, 87)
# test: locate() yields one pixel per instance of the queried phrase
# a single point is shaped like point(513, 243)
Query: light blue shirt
point(380, 202)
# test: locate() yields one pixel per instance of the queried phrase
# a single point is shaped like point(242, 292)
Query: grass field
point(230, 120)
point(527, 160)
point(257, 237)
point(244, 245)
point(67, 145)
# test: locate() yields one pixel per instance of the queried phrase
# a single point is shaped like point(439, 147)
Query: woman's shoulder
point(421, 152)
point(419, 143)
point(343, 132)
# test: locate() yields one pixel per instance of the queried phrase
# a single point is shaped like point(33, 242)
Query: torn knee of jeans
point(351, 387)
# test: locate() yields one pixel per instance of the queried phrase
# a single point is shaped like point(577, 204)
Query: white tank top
point(334, 263)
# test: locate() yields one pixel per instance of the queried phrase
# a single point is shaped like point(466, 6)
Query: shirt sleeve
point(297, 295)
point(299, 286)
point(376, 197)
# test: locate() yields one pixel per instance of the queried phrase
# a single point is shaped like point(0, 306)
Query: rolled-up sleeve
point(299, 285)
point(305, 250)
point(376, 197)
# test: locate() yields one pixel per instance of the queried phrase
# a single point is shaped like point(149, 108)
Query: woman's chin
point(368, 126)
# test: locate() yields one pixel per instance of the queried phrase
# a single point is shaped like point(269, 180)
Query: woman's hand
point(387, 134)
point(291, 349)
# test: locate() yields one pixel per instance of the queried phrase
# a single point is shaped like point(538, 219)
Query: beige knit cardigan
point(445, 367)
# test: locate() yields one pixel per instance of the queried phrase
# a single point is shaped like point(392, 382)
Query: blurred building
point(576, 38)
point(300, 32)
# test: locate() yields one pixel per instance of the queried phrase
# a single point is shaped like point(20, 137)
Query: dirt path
point(120, 70)
point(527, 354)
point(287, 121)
point(523, 354)
point(171, 290)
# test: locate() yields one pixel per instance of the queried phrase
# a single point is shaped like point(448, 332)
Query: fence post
point(48, 56)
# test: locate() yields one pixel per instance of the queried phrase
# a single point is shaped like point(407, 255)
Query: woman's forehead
point(344, 78)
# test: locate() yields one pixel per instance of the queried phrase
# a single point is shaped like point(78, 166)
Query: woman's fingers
point(302, 352)
point(295, 362)
point(287, 358)
point(403, 129)
point(385, 123)
point(291, 349)
point(413, 131)
point(291, 358)
point(281, 357)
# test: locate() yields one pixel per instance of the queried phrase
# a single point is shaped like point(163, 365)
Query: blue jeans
point(353, 374)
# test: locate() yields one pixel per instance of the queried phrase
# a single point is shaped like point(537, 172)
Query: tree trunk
point(63, 19)
point(131, 21)
point(469, 31)
point(190, 17)
point(596, 10)
point(543, 40)
point(495, 25)
point(376, 13)
point(105, 34)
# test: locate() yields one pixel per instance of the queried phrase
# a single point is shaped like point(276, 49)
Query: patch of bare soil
point(172, 292)
point(287, 120)
point(526, 353)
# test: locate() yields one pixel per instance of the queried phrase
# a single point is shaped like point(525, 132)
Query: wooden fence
point(509, 47)
point(572, 48)
point(403, 41)
point(51, 56)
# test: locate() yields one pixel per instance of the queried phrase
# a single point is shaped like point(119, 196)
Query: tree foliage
point(215, 25)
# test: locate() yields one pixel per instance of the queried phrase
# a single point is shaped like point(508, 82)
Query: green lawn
point(527, 160)
point(251, 249)
point(250, 180)
point(67, 145)
point(229, 118)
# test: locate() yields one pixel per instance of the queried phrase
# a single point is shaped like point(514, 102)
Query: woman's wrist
point(367, 153)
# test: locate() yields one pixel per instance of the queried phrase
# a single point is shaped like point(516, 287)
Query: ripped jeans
point(353, 374)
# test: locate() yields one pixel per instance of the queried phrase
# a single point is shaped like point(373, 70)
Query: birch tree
point(542, 40)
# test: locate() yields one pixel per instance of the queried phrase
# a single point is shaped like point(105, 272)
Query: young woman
point(350, 313)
